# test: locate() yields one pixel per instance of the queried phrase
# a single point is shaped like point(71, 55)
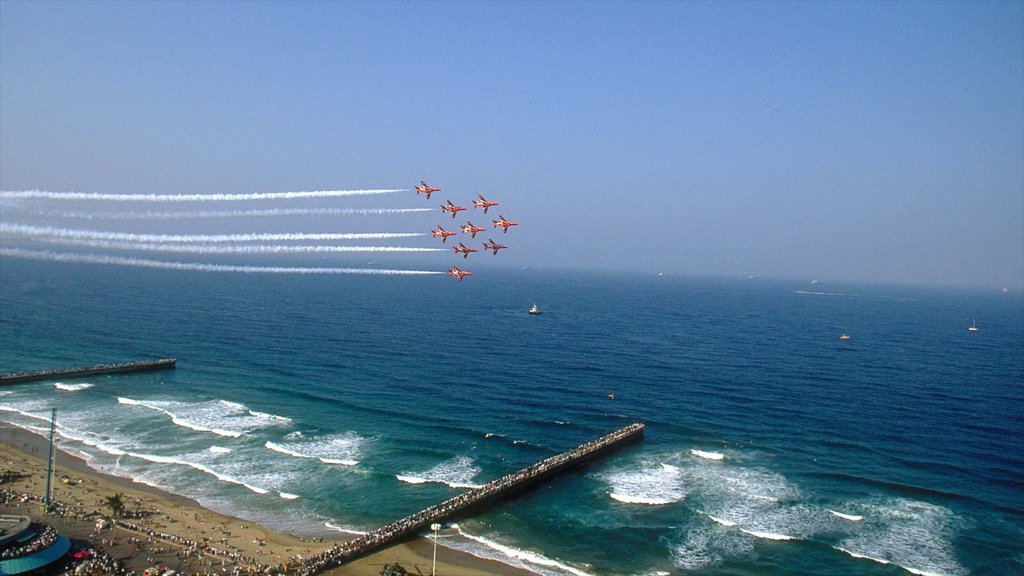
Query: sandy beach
point(174, 519)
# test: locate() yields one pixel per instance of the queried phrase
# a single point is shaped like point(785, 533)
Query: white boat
point(534, 310)
point(844, 337)
point(974, 327)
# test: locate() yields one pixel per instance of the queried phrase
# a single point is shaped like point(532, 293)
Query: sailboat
point(974, 327)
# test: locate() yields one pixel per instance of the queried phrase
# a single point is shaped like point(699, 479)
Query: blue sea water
point(315, 404)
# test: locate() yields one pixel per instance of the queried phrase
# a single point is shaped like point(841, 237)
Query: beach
point(157, 524)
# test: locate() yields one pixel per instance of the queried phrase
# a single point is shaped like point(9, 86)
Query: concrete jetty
point(471, 501)
point(69, 373)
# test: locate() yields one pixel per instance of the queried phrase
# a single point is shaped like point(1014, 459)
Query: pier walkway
point(486, 495)
point(68, 373)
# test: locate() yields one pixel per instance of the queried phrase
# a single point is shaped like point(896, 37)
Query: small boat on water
point(534, 310)
point(844, 337)
point(974, 327)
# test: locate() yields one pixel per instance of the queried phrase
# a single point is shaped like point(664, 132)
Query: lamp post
point(435, 527)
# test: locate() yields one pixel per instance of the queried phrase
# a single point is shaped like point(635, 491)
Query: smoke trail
point(230, 213)
point(198, 267)
point(45, 195)
point(26, 230)
point(215, 249)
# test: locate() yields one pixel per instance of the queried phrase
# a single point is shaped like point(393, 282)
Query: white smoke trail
point(231, 213)
point(218, 249)
point(198, 267)
point(46, 231)
point(45, 195)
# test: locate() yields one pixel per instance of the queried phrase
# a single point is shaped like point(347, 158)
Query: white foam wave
point(862, 556)
point(339, 449)
point(916, 536)
point(850, 517)
point(722, 521)
point(47, 195)
point(171, 460)
point(219, 450)
point(69, 233)
point(707, 455)
point(200, 267)
point(337, 528)
point(651, 485)
point(272, 213)
point(279, 448)
point(533, 561)
point(767, 535)
point(288, 496)
point(456, 473)
point(72, 387)
point(274, 417)
point(219, 417)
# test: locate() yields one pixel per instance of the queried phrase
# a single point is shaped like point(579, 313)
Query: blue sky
point(840, 141)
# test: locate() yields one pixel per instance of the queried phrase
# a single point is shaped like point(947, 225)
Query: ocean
point(325, 404)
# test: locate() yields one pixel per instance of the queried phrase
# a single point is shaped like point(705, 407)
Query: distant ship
point(974, 327)
point(844, 337)
point(534, 310)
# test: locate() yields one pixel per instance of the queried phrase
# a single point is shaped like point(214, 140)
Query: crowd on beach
point(45, 536)
point(204, 555)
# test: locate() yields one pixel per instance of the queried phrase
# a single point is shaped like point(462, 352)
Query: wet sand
point(81, 487)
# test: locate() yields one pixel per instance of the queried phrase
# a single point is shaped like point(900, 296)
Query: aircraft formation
point(451, 208)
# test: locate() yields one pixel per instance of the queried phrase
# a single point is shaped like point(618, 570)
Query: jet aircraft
point(483, 203)
point(455, 272)
point(463, 249)
point(492, 245)
point(423, 188)
point(449, 207)
point(442, 233)
point(504, 223)
point(470, 229)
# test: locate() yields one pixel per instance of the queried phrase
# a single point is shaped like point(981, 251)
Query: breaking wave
point(456, 473)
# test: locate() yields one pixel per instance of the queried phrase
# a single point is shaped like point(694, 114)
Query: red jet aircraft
point(483, 203)
point(457, 273)
point(470, 229)
point(492, 245)
point(444, 234)
point(449, 207)
point(423, 188)
point(504, 223)
point(463, 249)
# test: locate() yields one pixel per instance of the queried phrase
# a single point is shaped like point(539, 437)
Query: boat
point(974, 327)
point(534, 310)
point(844, 337)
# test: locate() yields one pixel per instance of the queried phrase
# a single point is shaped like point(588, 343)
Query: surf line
point(220, 249)
point(47, 195)
point(28, 230)
point(199, 267)
point(210, 214)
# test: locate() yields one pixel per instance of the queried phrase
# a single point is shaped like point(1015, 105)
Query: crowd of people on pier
point(421, 520)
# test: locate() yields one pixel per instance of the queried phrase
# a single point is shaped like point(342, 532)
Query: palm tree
point(116, 504)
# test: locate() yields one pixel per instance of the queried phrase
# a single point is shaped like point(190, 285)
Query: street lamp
point(435, 527)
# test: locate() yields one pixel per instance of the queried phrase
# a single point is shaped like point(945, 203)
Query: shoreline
point(183, 517)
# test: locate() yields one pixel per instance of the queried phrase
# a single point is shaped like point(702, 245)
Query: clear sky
point(839, 141)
